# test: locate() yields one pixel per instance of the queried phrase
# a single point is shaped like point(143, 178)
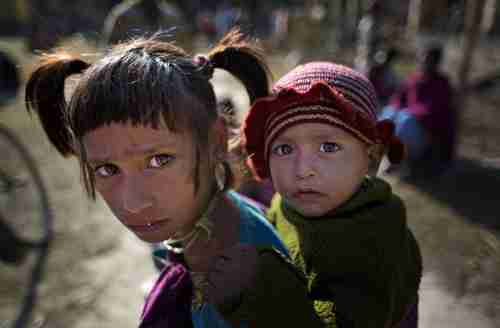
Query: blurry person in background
point(369, 36)
point(279, 25)
point(135, 17)
point(382, 75)
point(9, 79)
point(425, 115)
point(226, 17)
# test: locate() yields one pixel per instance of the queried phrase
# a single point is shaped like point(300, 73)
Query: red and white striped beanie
point(316, 92)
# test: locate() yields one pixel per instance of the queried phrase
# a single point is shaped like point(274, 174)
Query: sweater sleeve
point(278, 297)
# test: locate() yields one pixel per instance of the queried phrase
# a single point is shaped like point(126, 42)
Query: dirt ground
point(96, 268)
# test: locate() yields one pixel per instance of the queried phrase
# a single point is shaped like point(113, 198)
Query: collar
point(372, 191)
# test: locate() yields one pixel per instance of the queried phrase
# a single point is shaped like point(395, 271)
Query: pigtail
point(235, 54)
point(45, 95)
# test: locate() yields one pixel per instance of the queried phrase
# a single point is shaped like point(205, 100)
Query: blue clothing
point(409, 130)
point(254, 230)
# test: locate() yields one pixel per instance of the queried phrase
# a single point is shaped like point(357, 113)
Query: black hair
point(145, 81)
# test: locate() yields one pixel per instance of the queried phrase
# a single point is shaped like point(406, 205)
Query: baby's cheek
point(280, 187)
point(280, 179)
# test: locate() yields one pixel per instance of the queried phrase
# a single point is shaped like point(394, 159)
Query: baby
point(318, 140)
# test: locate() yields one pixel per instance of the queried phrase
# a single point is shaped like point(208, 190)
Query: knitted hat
point(317, 92)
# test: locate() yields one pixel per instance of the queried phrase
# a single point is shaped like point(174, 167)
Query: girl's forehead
point(121, 140)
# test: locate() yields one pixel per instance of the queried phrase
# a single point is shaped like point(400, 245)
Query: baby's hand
point(233, 271)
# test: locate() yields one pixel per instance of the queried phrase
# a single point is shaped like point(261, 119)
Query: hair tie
point(205, 65)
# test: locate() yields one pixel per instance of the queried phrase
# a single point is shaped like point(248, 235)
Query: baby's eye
point(329, 147)
point(158, 161)
point(282, 150)
point(106, 170)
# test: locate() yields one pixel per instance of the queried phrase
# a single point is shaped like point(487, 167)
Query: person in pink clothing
point(425, 114)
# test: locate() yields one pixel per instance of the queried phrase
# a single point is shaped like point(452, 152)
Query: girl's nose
point(135, 197)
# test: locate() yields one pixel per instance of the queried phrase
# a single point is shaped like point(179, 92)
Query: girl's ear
point(220, 136)
point(219, 150)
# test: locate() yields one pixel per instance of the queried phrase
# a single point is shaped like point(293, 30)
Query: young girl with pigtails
point(318, 140)
point(143, 123)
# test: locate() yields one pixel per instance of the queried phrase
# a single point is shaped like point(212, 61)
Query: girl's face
point(316, 167)
point(146, 176)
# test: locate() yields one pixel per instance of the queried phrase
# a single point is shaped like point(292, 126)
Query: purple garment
point(411, 318)
point(384, 81)
point(168, 304)
point(430, 99)
point(267, 192)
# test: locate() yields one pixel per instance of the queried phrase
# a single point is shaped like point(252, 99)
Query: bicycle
point(21, 186)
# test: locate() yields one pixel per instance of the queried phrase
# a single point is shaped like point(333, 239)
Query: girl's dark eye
point(158, 161)
point(282, 150)
point(106, 170)
point(329, 147)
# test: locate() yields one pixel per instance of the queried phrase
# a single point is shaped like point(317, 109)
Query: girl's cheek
point(105, 185)
point(111, 198)
point(159, 180)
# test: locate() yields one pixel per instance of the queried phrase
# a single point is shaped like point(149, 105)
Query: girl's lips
point(148, 227)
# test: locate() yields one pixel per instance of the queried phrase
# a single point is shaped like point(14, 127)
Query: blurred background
point(95, 270)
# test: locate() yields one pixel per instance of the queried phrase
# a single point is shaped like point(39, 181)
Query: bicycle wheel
point(25, 230)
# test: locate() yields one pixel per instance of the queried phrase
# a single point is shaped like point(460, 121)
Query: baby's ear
point(375, 154)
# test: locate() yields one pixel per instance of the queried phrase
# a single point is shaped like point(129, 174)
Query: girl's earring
point(221, 175)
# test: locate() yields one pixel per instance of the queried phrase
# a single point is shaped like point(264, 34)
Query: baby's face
point(145, 175)
point(317, 167)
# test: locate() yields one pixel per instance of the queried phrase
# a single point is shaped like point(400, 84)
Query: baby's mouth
point(306, 194)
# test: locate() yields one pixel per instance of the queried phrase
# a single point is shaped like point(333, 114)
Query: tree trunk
point(472, 34)
point(495, 29)
point(414, 16)
point(426, 15)
point(343, 24)
point(491, 19)
point(360, 10)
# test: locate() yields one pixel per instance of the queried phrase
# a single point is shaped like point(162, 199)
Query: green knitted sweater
point(362, 262)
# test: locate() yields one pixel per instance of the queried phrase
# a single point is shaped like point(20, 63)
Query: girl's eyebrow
point(136, 150)
point(100, 158)
point(150, 149)
point(98, 161)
